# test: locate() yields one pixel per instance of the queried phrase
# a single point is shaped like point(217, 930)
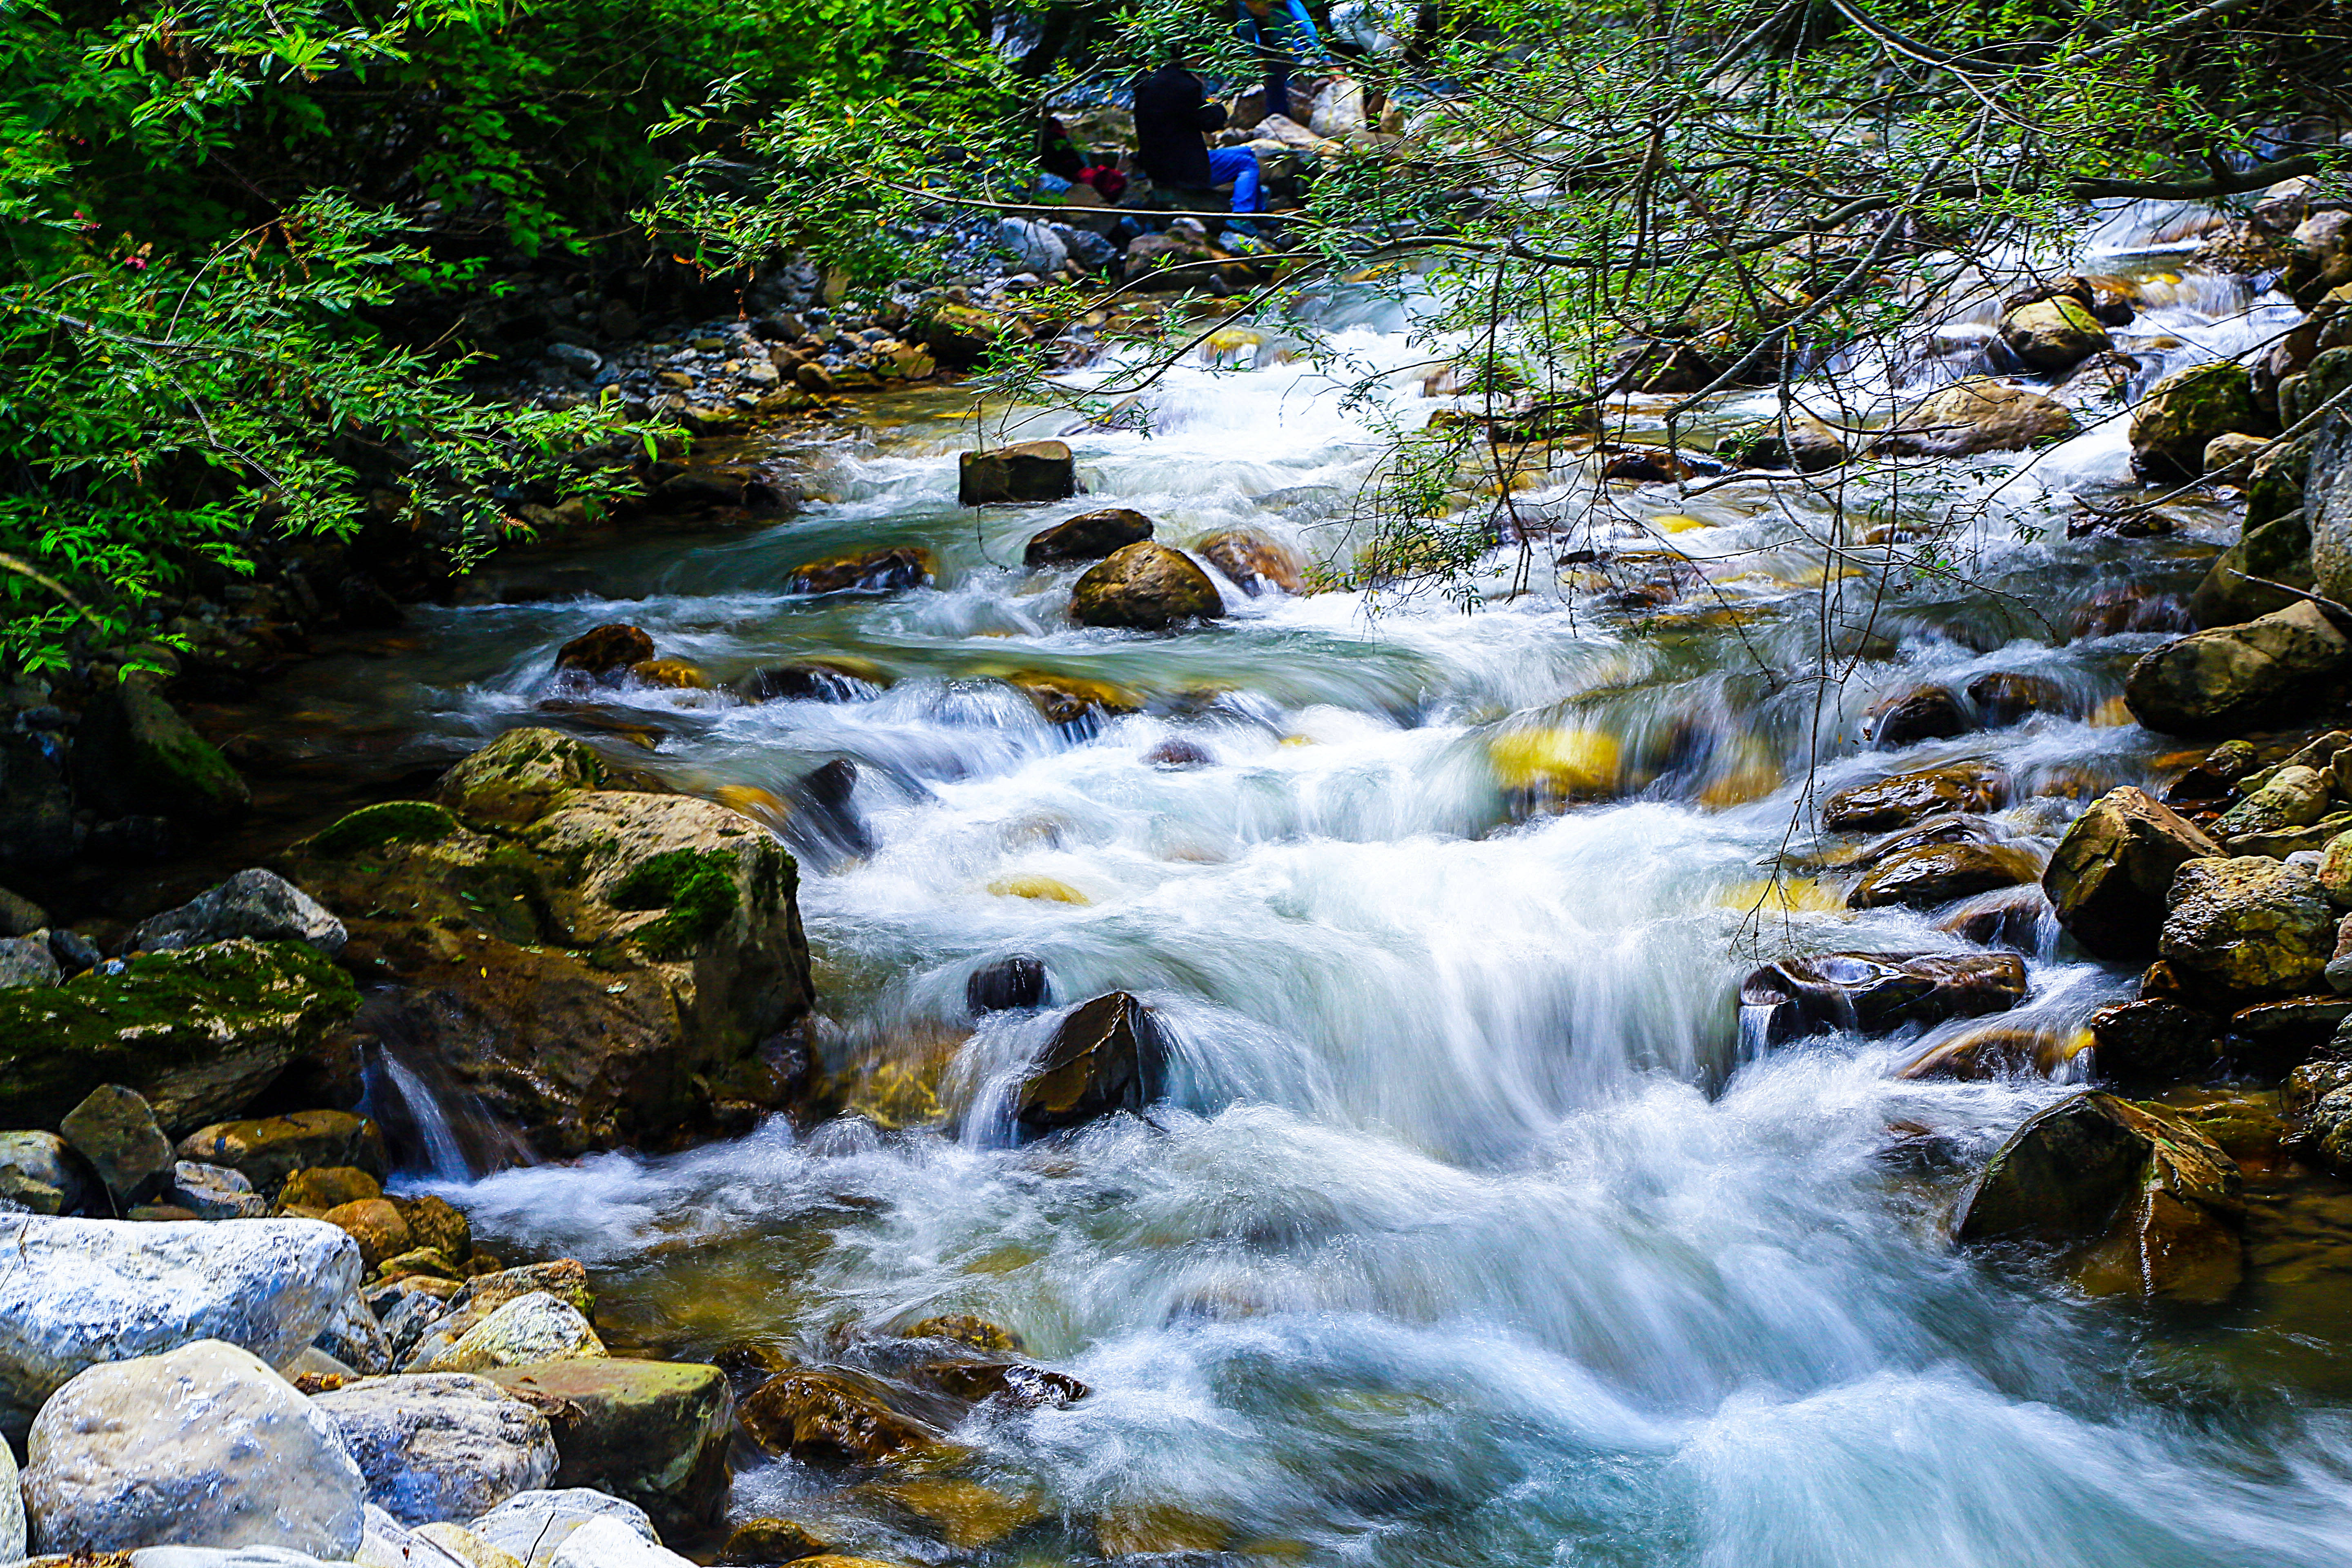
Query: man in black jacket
point(1173, 113)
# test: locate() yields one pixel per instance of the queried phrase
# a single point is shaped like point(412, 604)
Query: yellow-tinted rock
point(967, 1515)
point(324, 1187)
point(1159, 1528)
point(375, 1225)
point(1045, 888)
point(1996, 1049)
point(1564, 763)
point(1066, 698)
point(676, 673)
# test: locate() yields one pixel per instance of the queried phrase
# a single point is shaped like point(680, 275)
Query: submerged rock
point(833, 1418)
point(1874, 993)
point(1254, 563)
point(2156, 1202)
point(2110, 875)
point(78, 1292)
point(655, 1433)
point(1148, 587)
point(1108, 1056)
point(1025, 472)
point(440, 1445)
point(197, 1034)
point(203, 1445)
point(890, 571)
point(1089, 537)
point(2230, 676)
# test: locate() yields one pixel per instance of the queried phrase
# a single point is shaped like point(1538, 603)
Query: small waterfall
point(398, 1094)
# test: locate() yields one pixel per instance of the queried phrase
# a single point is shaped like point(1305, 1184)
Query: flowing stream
point(1472, 1234)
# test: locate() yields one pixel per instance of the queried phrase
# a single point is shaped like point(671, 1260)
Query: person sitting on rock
point(1172, 118)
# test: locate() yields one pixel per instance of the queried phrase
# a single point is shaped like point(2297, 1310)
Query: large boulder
point(1874, 992)
point(269, 1148)
point(618, 968)
point(256, 903)
point(1979, 416)
point(2109, 877)
point(1109, 1054)
point(1089, 537)
point(78, 1292)
point(2327, 502)
point(1146, 587)
point(2242, 930)
point(2057, 333)
point(199, 1033)
point(203, 1445)
point(517, 778)
point(440, 1445)
point(1906, 798)
point(133, 756)
point(2171, 427)
point(653, 1432)
point(1025, 472)
point(2151, 1205)
point(2232, 676)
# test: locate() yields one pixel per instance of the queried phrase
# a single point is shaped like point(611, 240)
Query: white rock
point(221, 1557)
point(204, 1446)
point(609, 1543)
point(537, 1327)
point(533, 1525)
point(216, 1192)
point(388, 1543)
point(467, 1547)
point(12, 1510)
point(254, 903)
point(78, 1292)
point(353, 1336)
point(440, 1445)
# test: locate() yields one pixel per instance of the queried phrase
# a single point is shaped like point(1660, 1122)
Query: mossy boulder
point(1148, 587)
point(198, 1033)
point(601, 967)
point(134, 755)
point(2181, 414)
point(2275, 551)
point(2243, 929)
point(2233, 677)
point(655, 1433)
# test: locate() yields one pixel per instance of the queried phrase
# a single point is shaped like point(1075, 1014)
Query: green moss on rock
point(394, 822)
point(696, 886)
point(2186, 410)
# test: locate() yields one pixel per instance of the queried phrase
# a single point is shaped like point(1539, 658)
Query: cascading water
point(1474, 1232)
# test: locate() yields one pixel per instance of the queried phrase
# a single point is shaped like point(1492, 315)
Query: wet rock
point(2002, 698)
point(2248, 928)
point(1876, 993)
point(603, 973)
point(197, 1034)
point(81, 1291)
point(2128, 608)
point(215, 1192)
point(2110, 875)
point(1011, 1384)
point(2171, 427)
point(1009, 982)
point(203, 1445)
point(534, 1526)
point(1937, 874)
point(1922, 714)
point(2010, 916)
point(654, 1433)
point(1024, 473)
point(604, 652)
point(515, 779)
point(964, 1329)
point(1254, 563)
point(2155, 1040)
point(813, 681)
point(133, 756)
point(670, 674)
point(1072, 698)
point(1801, 442)
point(254, 903)
point(1979, 416)
point(2156, 1200)
point(115, 1131)
point(268, 1151)
point(440, 1445)
point(762, 1541)
point(891, 571)
point(2052, 334)
point(1148, 587)
point(1108, 1056)
point(1089, 537)
point(964, 1514)
point(533, 1328)
point(1177, 753)
point(2292, 797)
point(833, 1418)
point(1995, 1051)
point(2233, 675)
point(2232, 456)
point(1907, 798)
point(41, 1174)
point(37, 824)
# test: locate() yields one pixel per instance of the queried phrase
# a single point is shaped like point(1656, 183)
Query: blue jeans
point(1238, 164)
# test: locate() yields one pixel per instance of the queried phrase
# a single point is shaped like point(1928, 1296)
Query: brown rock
point(1254, 563)
point(1976, 416)
point(1907, 798)
point(1024, 473)
point(1148, 587)
point(267, 1151)
point(1089, 537)
point(1936, 874)
point(1995, 1051)
point(2003, 698)
point(888, 571)
point(1922, 714)
point(1108, 1056)
point(2155, 1040)
point(2109, 876)
point(2242, 930)
point(605, 650)
point(324, 1187)
point(2057, 333)
point(758, 1541)
point(1874, 993)
point(833, 1418)
point(375, 1225)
